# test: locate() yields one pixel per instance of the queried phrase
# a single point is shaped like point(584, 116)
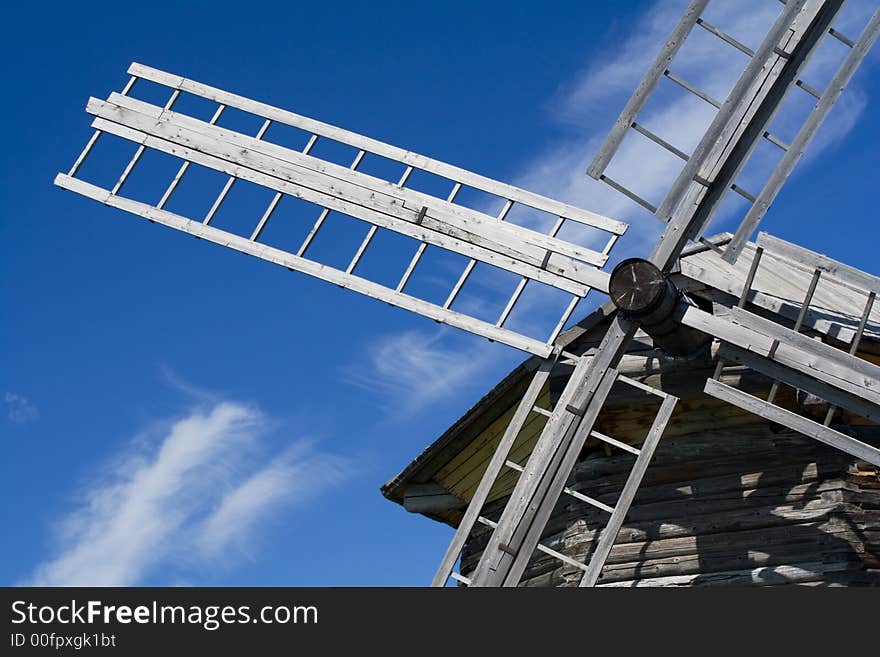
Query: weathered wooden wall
point(730, 506)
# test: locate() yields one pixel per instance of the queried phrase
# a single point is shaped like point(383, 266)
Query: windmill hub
point(644, 294)
point(638, 288)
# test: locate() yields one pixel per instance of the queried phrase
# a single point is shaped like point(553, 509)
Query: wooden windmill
point(642, 295)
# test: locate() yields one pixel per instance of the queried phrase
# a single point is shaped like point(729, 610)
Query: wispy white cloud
point(293, 477)
point(413, 369)
point(184, 492)
point(19, 409)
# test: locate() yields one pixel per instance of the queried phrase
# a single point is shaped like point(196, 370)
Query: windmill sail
point(381, 204)
point(743, 119)
point(784, 354)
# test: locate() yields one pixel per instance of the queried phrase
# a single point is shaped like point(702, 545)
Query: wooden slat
point(793, 421)
point(731, 136)
point(329, 274)
point(803, 138)
point(811, 357)
point(462, 217)
point(499, 457)
point(833, 365)
point(854, 278)
point(609, 533)
point(379, 148)
point(726, 38)
point(805, 382)
point(358, 210)
point(178, 135)
point(614, 442)
point(564, 434)
point(646, 86)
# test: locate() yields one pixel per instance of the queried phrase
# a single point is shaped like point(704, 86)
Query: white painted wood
point(566, 315)
point(609, 533)
point(246, 160)
point(226, 144)
point(512, 301)
point(499, 457)
point(793, 421)
point(227, 186)
point(460, 283)
point(356, 209)
point(266, 215)
point(804, 136)
point(140, 151)
point(379, 148)
point(854, 278)
point(296, 263)
point(313, 231)
point(183, 167)
point(411, 267)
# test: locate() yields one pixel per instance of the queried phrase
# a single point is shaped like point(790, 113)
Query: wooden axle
point(646, 296)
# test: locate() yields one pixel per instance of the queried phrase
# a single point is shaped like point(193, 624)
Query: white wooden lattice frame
point(334, 188)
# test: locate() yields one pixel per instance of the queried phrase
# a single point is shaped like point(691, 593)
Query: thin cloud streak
point(181, 497)
point(413, 369)
point(19, 409)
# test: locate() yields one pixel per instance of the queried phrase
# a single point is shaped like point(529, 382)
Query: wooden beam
point(646, 86)
point(361, 142)
point(794, 350)
point(833, 365)
point(552, 458)
point(609, 533)
point(736, 128)
point(462, 216)
point(796, 379)
point(386, 207)
point(793, 421)
point(297, 263)
point(803, 138)
point(850, 276)
point(356, 208)
point(499, 457)
point(430, 497)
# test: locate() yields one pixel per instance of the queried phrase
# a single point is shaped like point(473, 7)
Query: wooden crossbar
point(370, 145)
point(793, 421)
point(803, 138)
point(297, 263)
point(365, 197)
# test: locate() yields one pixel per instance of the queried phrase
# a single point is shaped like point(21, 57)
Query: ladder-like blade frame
point(803, 138)
point(496, 465)
point(787, 356)
point(633, 481)
point(557, 447)
point(742, 120)
point(382, 204)
point(521, 552)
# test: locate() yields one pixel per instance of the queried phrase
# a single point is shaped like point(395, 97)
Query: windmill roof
point(780, 285)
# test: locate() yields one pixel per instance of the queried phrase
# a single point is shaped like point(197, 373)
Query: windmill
point(641, 293)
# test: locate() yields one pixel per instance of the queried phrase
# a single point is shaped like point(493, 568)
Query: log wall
point(751, 505)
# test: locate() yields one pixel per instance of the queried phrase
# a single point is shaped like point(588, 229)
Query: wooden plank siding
point(744, 506)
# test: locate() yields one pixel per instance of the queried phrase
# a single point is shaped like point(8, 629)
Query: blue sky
point(175, 413)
